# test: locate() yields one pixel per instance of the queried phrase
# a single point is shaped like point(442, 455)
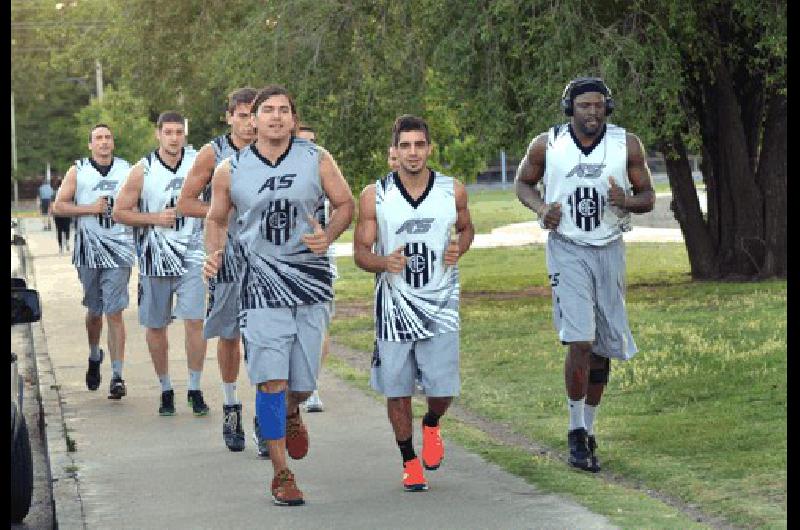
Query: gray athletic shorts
point(284, 343)
point(395, 365)
point(156, 293)
point(589, 295)
point(105, 291)
point(222, 310)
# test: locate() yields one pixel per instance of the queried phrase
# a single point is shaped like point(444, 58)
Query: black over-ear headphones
point(568, 97)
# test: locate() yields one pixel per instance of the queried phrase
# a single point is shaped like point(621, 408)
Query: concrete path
point(135, 469)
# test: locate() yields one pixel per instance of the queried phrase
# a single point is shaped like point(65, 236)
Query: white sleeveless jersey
point(273, 202)
point(578, 179)
point(421, 301)
point(167, 251)
point(231, 256)
point(101, 243)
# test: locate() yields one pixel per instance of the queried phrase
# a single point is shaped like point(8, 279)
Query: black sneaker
point(167, 407)
point(195, 398)
point(232, 431)
point(261, 444)
point(117, 388)
point(93, 376)
point(579, 455)
point(592, 444)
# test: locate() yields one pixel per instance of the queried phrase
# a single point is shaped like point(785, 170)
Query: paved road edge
point(68, 507)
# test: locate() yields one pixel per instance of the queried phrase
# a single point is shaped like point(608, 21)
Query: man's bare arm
point(644, 196)
point(199, 175)
point(127, 204)
point(529, 172)
point(64, 204)
point(339, 195)
point(464, 226)
point(216, 225)
point(366, 235)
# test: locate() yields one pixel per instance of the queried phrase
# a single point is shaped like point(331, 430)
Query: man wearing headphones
point(594, 175)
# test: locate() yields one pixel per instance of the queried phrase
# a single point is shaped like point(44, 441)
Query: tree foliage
point(688, 76)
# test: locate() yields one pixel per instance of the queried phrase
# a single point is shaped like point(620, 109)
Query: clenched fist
point(396, 261)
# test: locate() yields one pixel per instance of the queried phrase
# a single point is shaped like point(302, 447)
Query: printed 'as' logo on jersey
point(586, 208)
point(278, 221)
point(419, 264)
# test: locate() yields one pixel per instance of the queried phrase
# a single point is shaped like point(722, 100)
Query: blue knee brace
point(271, 413)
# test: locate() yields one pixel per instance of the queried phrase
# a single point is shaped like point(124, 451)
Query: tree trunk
point(772, 178)
point(699, 244)
point(742, 245)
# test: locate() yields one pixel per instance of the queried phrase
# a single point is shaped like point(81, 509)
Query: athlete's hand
point(396, 261)
point(552, 215)
point(166, 218)
point(100, 205)
point(616, 195)
point(452, 252)
point(317, 241)
point(212, 264)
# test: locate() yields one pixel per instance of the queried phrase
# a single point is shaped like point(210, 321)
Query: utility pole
point(503, 166)
point(98, 68)
point(14, 154)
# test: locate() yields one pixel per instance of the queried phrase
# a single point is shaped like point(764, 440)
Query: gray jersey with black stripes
point(231, 256)
point(166, 251)
point(273, 203)
point(101, 243)
point(422, 301)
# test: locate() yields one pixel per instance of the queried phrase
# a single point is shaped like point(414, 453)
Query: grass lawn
point(698, 414)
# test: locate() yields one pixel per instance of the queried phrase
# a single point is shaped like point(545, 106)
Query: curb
point(68, 506)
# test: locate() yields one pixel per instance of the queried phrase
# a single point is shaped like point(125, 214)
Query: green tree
point(127, 117)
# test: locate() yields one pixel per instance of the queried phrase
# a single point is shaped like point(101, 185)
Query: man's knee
point(583, 349)
point(114, 318)
point(599, 369)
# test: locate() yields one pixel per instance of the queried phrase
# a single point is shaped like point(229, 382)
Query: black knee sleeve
point(600, 375)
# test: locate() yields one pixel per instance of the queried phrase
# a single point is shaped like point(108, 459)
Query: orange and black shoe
point(432, 448)
point(285, 491)
point(296, 436)
point(413, 478)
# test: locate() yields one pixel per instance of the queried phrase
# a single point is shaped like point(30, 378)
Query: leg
point(94, 328)
point(195, 344)
point(158, 345)
point(576, 370)
point(116, 336)
point(228, 358)
point(400, 417)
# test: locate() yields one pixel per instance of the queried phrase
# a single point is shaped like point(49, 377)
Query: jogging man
point(103, 252)
point(409, 217)
point(595, 175)
point(170, 253)
point(314, 402)
point(277, 186)
point(223, 290)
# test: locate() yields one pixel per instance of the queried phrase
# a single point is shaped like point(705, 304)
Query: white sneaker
point(313, 403)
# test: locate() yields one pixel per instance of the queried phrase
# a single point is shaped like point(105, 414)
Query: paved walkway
point(134, 469)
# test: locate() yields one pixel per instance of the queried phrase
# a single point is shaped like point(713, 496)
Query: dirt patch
point(503, 433)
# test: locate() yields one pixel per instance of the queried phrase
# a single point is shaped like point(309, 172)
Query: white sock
point(229, 390)
point(576, 420)
point(166, 383)
point(116, 368)
point(194, 379)
point(588, 418)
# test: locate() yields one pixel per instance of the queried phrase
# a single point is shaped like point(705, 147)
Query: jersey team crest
point(586, 207)
point(419, 264)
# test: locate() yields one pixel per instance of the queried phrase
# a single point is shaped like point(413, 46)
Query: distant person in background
point(45, 196)
point(314, 402)
point(62, 228)
point(391, 159)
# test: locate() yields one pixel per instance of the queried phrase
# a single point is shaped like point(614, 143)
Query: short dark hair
point(407, 122)
point(97, 126)
point(169, 116)
point(304, 127)
point(269, 91)
point(239, 96)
